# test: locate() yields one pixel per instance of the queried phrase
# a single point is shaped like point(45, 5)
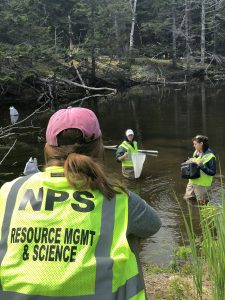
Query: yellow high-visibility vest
point(128, 160)
point(204, 179)
point(59, 242)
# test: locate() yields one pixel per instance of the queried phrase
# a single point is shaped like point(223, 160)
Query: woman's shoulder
point(210, 151)
point(138, 205)
point(6, 185)
point(143, 219)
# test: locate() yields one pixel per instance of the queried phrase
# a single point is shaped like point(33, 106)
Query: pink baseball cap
point(73, 117)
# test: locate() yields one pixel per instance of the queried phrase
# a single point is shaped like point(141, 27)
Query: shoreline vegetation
point(174, 284)
point(177, 279)
point(196, 271)
point(61, 81)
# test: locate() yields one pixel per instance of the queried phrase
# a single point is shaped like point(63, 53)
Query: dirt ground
point(173, 287)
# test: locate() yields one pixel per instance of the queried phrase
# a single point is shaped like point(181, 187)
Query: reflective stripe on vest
point(111, 274)
point(10, 204)
point(204, 179)
point(128, 161)
point(120, 295)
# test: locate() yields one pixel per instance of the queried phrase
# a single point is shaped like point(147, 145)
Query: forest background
point(44, 43)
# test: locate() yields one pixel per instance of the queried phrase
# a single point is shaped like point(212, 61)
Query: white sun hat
point(129, 132)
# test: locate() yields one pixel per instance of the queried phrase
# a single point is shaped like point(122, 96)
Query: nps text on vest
point(39, 243)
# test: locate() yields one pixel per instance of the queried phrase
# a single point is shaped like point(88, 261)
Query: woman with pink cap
point(66, 232)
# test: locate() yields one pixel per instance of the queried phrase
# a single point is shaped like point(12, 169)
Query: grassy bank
point(171, 283)
point(154, 71)
point(27, 79)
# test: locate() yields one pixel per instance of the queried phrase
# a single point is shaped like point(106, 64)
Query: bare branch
point(80, 77)
point(28, 117)
point(85, 86)
point(8, 152)
point(88, 97)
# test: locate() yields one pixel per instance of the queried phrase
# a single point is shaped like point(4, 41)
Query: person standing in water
point(70, 231)
point(199, 188)
point(124, 154)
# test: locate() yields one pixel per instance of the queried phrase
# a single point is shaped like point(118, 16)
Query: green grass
point(208, 259)
point(150, 269)
point(213, 248)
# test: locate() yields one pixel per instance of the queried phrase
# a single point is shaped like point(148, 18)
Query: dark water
point(164, 119)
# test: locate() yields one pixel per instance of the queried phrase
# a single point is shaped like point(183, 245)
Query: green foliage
point(179, 289)
point(155, 269)
point(39, 30)
point(213, 247)
point(181, 260)
point(7, 77)
point(209, 259)
point(196, 257)
point(183, 252)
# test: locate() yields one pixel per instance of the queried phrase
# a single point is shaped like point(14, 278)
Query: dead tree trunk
point(215, 27)
point(93, 58)
point(187, 35)
point(174, 36)
point(133, 4)
point(55, 37)
point(116, 27)
point(71, 37)
point(203, 35)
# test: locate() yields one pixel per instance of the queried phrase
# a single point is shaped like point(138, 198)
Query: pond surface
point(164, 119)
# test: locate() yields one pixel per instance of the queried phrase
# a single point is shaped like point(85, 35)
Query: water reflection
point(204, 127)
point(165, 119)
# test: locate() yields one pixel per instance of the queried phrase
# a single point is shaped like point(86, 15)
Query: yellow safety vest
point(128, 161)
point(204, 179)
point(59, 242)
